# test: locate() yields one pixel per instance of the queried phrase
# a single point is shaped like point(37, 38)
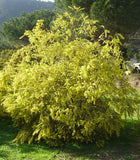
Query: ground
point(135, 81)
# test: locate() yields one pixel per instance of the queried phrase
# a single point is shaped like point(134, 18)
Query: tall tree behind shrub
point(119, 16)
point(62, 87)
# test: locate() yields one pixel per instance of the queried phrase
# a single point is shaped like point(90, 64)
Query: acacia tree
point(62, 87)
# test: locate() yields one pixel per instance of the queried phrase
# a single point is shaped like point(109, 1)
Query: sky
point(48, 0)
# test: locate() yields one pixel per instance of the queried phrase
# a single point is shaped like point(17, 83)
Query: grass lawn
point(126, 147)
point(12, 151)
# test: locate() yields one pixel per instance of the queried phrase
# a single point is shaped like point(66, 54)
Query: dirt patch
point(134, 80)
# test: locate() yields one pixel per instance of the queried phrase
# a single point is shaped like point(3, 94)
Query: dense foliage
point(132, 52)
point(4, 57)
point(63, 4)
point(119, 16)
point(4, 44)
point(62, 86)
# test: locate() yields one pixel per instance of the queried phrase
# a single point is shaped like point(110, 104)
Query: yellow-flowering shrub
point(4, 57)
point(62, 87)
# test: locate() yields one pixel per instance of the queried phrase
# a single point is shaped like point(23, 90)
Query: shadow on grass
point(126, 147)
point(7, 133)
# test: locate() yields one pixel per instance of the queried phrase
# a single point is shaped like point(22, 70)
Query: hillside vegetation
point(14, 28)
point(13, 8)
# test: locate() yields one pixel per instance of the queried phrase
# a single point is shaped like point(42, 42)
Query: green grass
point(13, 151)
point(134, 74)
point(126, 147)
point(138, 104)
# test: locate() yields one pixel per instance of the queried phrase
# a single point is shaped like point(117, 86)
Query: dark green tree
point(14, 28)
point(120, 16)
point(63, 4)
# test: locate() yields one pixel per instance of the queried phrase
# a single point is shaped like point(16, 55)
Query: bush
point(62, 87)
point(5, 45)
point(131, 52)
point(5, 56)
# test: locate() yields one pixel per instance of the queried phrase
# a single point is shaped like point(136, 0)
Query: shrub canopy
point(62, 87)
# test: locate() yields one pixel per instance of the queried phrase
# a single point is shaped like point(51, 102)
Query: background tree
point(119, 16)
point(14, 28)
point(63, 4)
